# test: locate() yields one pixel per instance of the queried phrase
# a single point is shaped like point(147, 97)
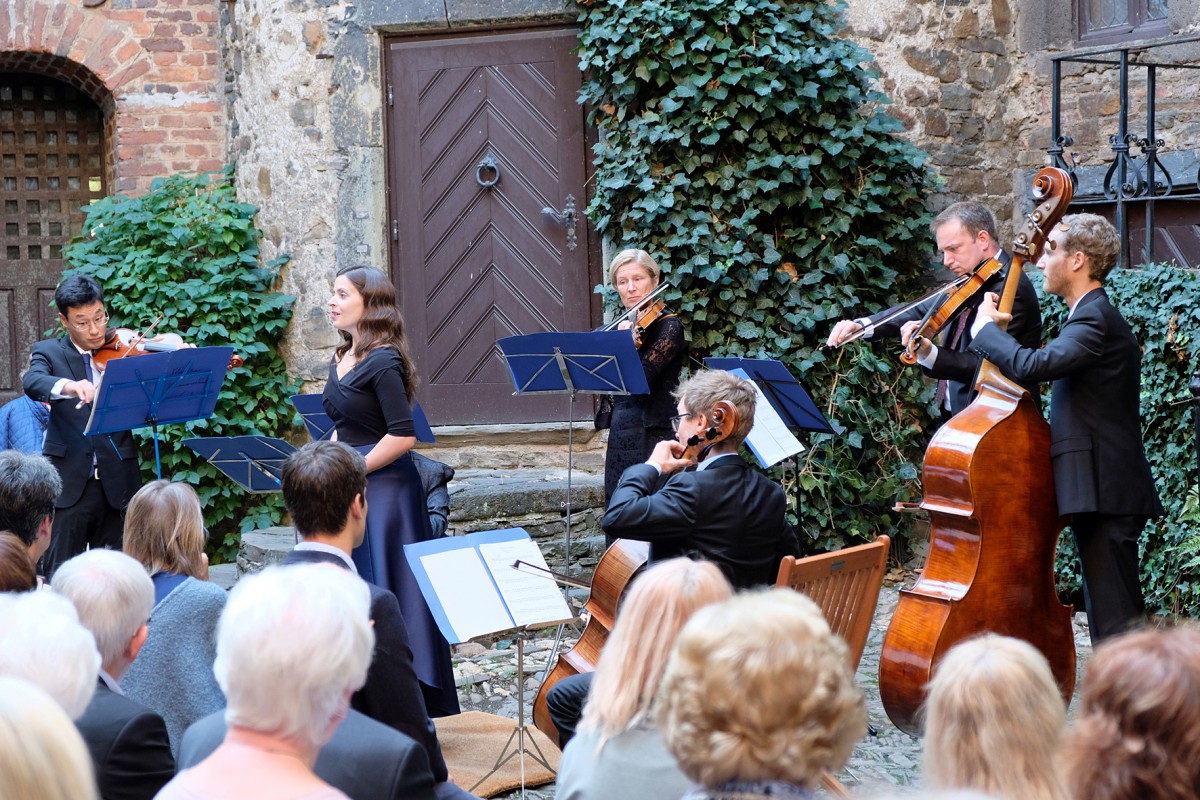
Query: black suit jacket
point(365, 759)
point(129, 746)
point(67, 448)
point(1095, 423)
point(729, 514)
point(960, 365)
point(391, 694)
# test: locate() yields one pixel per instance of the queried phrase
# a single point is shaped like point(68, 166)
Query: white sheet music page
point(532, 599)
point(468, 597)
point(769, 439)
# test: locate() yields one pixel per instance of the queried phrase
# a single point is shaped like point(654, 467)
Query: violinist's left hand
point(989, 313)
point(667, 456)
point(924, 346)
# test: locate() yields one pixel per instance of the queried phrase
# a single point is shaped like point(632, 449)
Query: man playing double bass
point(966, 236)
point(1101, 476)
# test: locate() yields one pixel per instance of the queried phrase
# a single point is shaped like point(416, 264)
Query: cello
point(994, 522)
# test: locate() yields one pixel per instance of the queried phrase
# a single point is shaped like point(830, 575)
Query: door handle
point(566, 218)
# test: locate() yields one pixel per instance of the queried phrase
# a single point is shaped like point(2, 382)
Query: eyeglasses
point(675, 420)
point(98, 322)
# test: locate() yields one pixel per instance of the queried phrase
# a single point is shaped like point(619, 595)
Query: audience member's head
point(321, 483)
point(1137, 735)
point(994, 720)
point(164, 529)
point(660, 600)
point(759, 689)
point(42, 641)
point(42, 755)
point(29, 485)
point(293, 644)
point(18, 572)
point(114, 596)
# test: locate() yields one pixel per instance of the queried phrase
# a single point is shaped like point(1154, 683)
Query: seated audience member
point(164, 531)
point(725, 511)
point(324, 485)
point(1137, 734)
point(23, 423)
point(42, 641)
point(128, 742)
point(42, 756)
point(435, 477)
point(29, 485)
point(994, 721)
point(18, 573)
point(292, 646)
point(619, 751)
point(758, 699)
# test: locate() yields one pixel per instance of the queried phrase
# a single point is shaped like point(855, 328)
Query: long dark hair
point(381, 324)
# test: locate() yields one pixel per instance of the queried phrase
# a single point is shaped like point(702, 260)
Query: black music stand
point(253, 462)
point(603, 362)
point(320, 426)
point(158, 389)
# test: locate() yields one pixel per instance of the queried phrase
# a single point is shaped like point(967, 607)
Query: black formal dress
point(99, 473)
point(640, 421)
point(1101, 476)
point(366, 404)
point(727, 513)
point(956, 363)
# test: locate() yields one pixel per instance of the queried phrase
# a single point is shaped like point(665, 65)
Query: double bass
point(994, 522)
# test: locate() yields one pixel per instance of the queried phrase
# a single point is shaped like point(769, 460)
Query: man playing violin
point(99, 473)
point(966, 236)
point(724, 511)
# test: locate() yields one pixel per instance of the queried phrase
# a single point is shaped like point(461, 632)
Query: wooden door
point(484, 133)
point(50, 168)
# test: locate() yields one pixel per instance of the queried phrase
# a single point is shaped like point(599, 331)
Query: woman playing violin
point(966, 237)
point(369, 397)
point(638, 421)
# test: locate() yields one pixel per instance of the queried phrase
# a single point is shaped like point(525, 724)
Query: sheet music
point(531, 599)
point(769, 439)
point(472, 606)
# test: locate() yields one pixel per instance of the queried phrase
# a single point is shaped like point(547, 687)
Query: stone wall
point(971, 81)
point(153, 67)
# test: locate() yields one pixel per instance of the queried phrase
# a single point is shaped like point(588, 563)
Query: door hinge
point(395, 231)
point(389, 95)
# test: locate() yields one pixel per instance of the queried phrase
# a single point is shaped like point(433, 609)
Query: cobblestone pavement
point(487, 681)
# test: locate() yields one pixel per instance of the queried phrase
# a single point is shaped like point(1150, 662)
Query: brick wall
point(153, 67)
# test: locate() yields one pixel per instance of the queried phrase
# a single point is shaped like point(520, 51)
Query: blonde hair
point(42, 754)
point(658, 604)
point(634, 256)
point(1095, 237)
point(994, 720)
point(758, 688)
point(704, 389)
point(1139, 717)
point(164, 529)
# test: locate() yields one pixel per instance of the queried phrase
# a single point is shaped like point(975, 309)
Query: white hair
point(293, 644)
point(42, 641)
point(42, 754)
point(113, 595)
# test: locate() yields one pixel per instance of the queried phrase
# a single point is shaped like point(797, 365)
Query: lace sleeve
point(662, 348)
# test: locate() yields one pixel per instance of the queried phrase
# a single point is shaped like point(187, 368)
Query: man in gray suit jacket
point(1101, 476)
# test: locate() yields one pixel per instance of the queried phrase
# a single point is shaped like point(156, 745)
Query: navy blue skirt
point(396, 516)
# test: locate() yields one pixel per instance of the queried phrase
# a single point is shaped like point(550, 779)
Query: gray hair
point(42, 641)
point(29, 485)
point(113, 595)
point(292, 645)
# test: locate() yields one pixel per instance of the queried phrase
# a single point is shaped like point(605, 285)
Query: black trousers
point(90, 523)
point(565, 702)
point(1108, 557)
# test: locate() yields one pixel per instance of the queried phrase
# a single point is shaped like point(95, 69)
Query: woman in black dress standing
point(641, 421)
point(369, 398)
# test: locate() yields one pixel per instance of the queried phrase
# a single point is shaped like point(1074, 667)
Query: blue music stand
point(253, 462)
point(320, 426)
point(602, 362)
point(158, 389)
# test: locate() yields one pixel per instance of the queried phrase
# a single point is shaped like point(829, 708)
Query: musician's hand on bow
point(923, 347)
point(667, 456)
point(842, 331)
point(988, 311)
point(84, 390)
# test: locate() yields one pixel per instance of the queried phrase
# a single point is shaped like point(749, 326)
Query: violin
point(123, 343)
point(644, 314)
point(725, 418)
point(958, 294)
